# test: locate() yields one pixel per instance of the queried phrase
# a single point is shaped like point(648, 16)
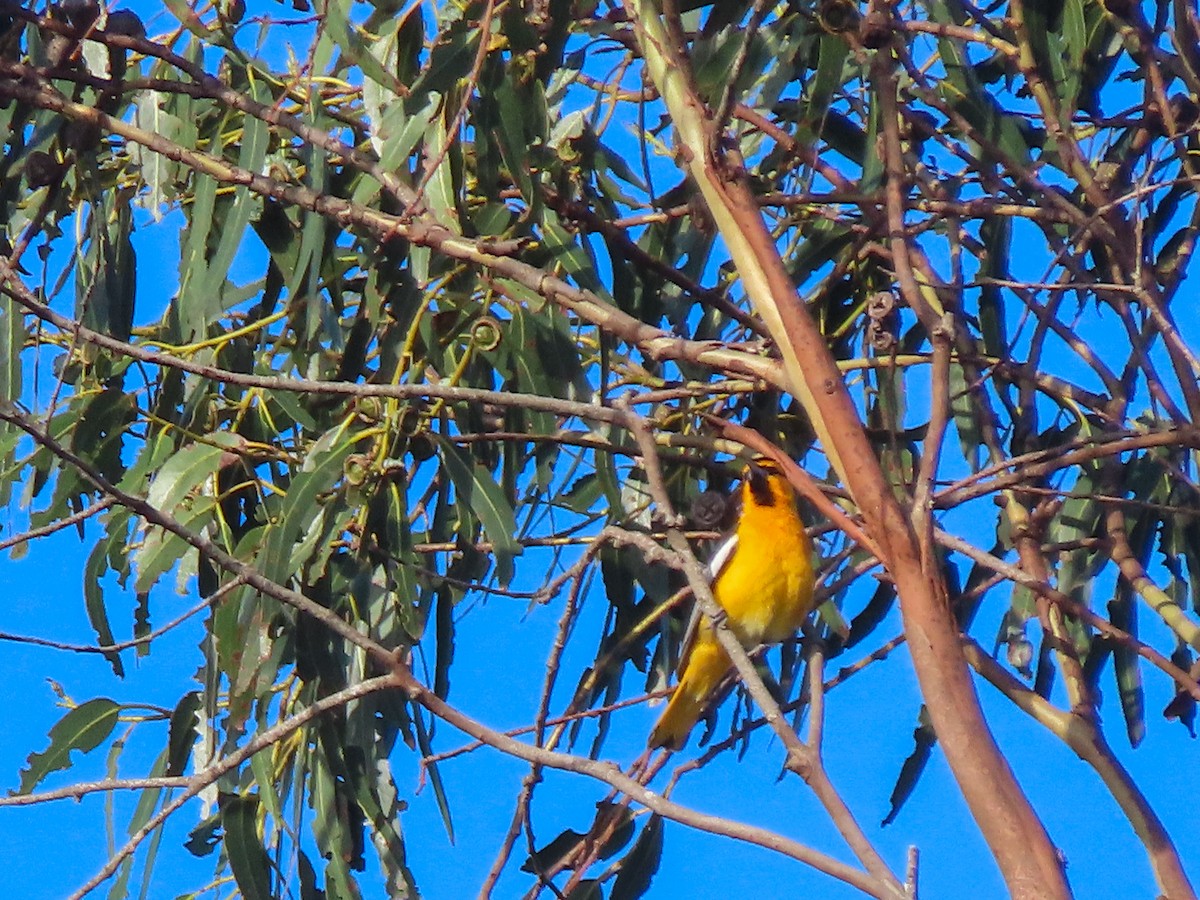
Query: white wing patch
point(719, 561)
point(721, 558)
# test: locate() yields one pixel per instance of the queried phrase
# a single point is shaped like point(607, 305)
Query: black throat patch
point(760, 487)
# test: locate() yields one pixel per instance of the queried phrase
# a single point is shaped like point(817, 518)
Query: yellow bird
point(762, 576)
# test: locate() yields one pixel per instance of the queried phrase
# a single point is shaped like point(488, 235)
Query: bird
point(762, 577)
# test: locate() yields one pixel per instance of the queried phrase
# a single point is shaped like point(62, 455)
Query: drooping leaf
point(640, 863)
point(83, 728)
point(1122, 612)
point(435, 775)
point(477, 488)
point(914, 765)
point(182, 734)
point(93, 593)
point(247, 857)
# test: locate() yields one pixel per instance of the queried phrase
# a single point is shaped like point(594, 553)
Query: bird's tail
point(705, 669)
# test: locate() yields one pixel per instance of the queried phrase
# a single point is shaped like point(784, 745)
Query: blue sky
point(868, 734)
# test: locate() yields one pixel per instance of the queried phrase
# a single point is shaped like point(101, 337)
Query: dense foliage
point(444, 279)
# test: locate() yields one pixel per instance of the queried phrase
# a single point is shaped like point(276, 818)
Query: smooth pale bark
point(1015, 835)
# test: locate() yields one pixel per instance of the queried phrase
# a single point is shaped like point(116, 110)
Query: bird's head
point(764, 482)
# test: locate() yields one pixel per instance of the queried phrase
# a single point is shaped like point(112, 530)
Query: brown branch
point(121, 645)
point(611, 775)
point(1167, 608)
point(198, 782)
point(1088, 741)
point(1026, 466)
point(57, 525)
point(1185, 681)
point(939, 417)
point(81, 789)
point(1013, 831)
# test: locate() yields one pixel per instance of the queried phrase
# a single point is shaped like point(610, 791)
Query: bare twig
point(57, 525)
point(610, 774)
point(801, 758)
point(1088, 741)
point(202, 779)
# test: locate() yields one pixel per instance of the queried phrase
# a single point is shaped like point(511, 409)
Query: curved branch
point(1088, 741)
point(1134, 572)
point(1013, 831)
point(1184, 680)
point(611, 775)
point(201, 780)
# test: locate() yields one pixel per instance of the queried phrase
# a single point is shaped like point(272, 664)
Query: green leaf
point(358, 757)
point(332, 831)
point(400, 131)
point(1122, 612)
point(148, 800)
point(120, 883)
point(235, 214)
point(192, 304)
point(247, 858)
point(547, 857)
point(515, 141)
point(1074, 45)
point(321, 472)
point(823, 243)
point(435, 775)
point(1078, 519)
point(203, 839)
point(572, 256)
point(12, 339)
point(587, 889)
point(82, 729)
point(476, 487)
point(308, 879)
point(914, 765)
point(872, 614)
point(831, 63)
point(440, 189)
point(640, 863)
point(996, 234)
point(966, 417)
point(105, 281)
point(152, 113)
point(162, 549)
point(264, 777)
point(147, 804)
point(340, 26)
point(181, 736)
point(293, 407)
point(97, 612)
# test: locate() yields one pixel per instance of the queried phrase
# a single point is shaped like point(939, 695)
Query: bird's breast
point(766, 587)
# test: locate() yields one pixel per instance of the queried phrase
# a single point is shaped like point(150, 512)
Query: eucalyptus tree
point(470, 306)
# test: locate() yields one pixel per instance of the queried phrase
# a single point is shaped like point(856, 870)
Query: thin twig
point(57, 525)
point(801, 758)
point(611, 775)
point(210, 775)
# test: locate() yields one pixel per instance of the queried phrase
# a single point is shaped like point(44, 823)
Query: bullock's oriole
point(762, 577)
